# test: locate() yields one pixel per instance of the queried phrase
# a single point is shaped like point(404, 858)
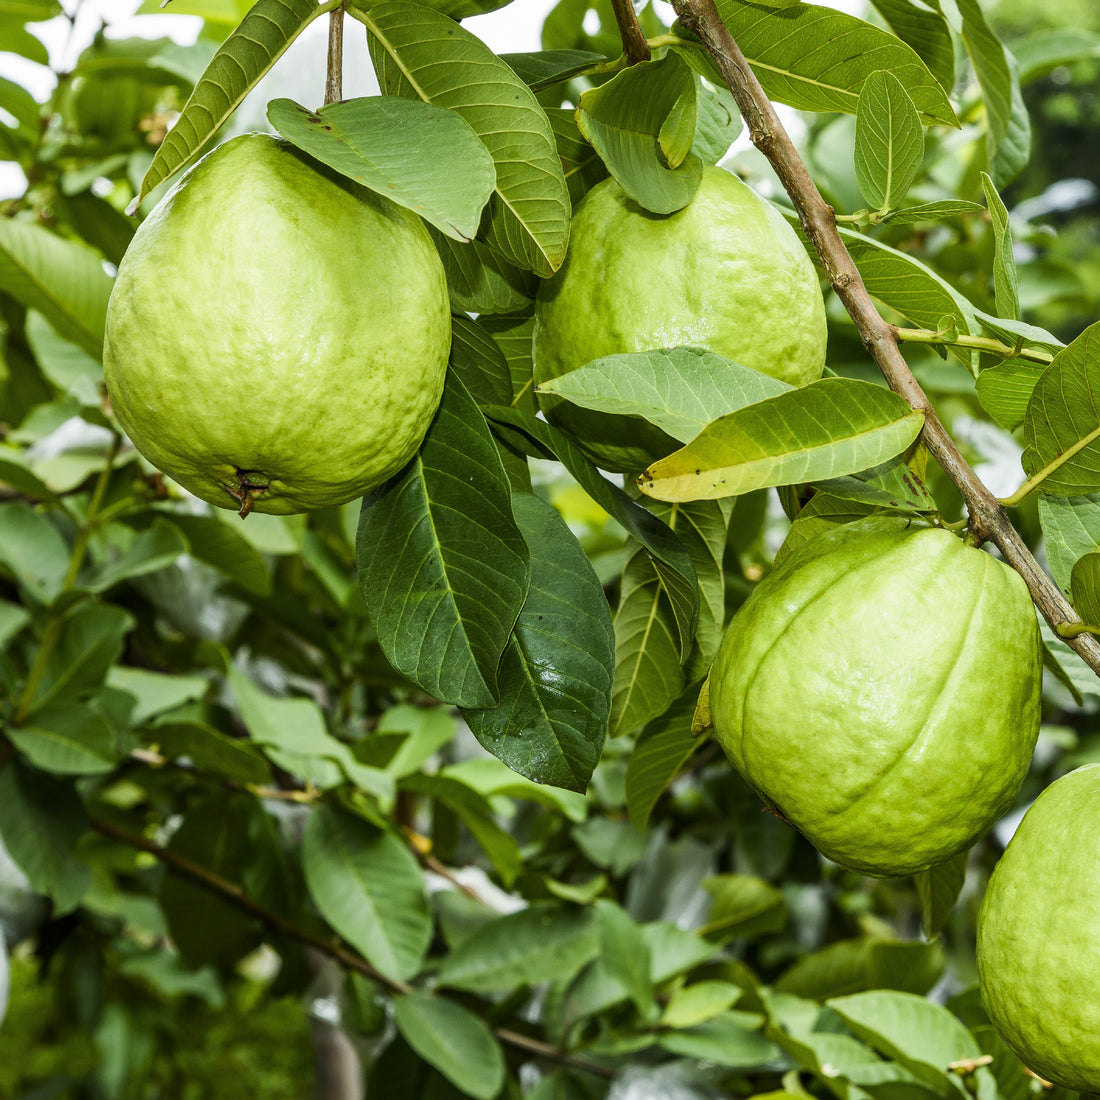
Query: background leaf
point(1004, 263)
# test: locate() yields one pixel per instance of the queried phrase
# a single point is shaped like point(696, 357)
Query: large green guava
point(277, 337)
point(725, 273)
point(1039, 935)
point(880, 689)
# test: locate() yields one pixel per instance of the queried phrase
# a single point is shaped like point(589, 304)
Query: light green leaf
point(817, 59)
point(69, 367)
point(155, 692)
point(540, 944)
point(680, 390)
point(555, 672)
point(889, 141)
point(717, 123)
point(421, 156)
point(368, 886)
point(1005, 391)
point(932, 211)
point(427, 730)
point(850, 966)
point(489, 777)
point(661, 751)
point(699, 1002)
point(420, 54)
point(1085, 588)
point(624, 954)
point(1062, 426)
point(1071, 529)
point(454, 1040)
point(67, 739)
point(743, 905)
point(210, 751)
point(293, 735)
point(831, 427)
point(242, 59)
point(1044, 50)
point(730, 1039)
point(543, 68)
point(212, 541)
point(443, 568)
point(634, 121)
point(62, 279)
point(1011, 331)
point(1004, 263)
point(938, 889)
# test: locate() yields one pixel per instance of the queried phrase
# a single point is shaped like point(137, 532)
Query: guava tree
point(422, 788)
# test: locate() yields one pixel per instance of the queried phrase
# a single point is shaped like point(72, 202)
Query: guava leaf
point(1005, 390)
point(481, 281)
point(512, 334)
point(729, 1039)
point(1062, 425)
point(224, 549)
point(32, 551)
point(154, 548)
point(1044, 50)
point(932, 211)
point(67, 739)
point(1071, 528)
point(554, 678)
point(1011, 331)
point(443, 568)
point(817, 59)
point(671, 559)
point(680, 390)
point(627, 121)
point(368, 886)
point(660, 752)
point(889, 141)
point(64, 280)
point(454, 1040)
point(420, 54)
point(1085, 588)
point(542, 68)
point(938, 889)
point(478, 361)
point(1005, 285)
point(717, 123)
point(831, 427)
point(421, 156)
point(581, 163)
point(242, 59)
point(927, 32)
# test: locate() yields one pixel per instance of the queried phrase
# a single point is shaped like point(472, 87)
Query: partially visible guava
point(1039, 935)
point(725, 273)
point(277, 337)
point(880, 689)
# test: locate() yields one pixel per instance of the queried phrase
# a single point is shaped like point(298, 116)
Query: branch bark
point(988, 520)
point(334, 79)
point(635, 46)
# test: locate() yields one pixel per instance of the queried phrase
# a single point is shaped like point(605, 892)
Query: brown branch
point(334, 79)
point(635, 47)
point(233, 893)
point(988, 521)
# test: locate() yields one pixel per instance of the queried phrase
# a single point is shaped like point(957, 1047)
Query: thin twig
point(635, 45)
point(988, 521)
point(334, 80)
point(235, 895)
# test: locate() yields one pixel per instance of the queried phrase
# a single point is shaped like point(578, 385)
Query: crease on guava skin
point(950, 670)
point(874, 562)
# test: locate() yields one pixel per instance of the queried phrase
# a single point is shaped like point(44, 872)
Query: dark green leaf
point(927, 32)
point(546, 67)
point(422, 156)
point(661, 751)
point(67, 739)
point(210, 751)
point(625, 956)
point(479, 362)
point(1085, 588)
point(212, 541)
point(442, 566)
point(32, 550)
point(744, 905)
point(156, 547)
point(555, 674)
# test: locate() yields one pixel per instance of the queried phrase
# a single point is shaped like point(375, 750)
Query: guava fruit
point(725, 273)
point(1038, 943)
point(277, 337)
point(880, 690)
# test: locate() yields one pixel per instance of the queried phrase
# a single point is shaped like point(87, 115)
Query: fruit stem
point(980, 343)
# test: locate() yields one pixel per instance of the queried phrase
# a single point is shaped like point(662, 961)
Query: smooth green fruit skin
point(1039, 935)
point(272, 319)
point(726, 273)
point(880, 689)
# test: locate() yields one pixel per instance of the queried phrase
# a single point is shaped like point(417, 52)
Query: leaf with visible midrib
point(443, 567)
point(889, 141)
point(368, 886)
point(831, 427)
point(1062, 425)
point(420, 54)
point(242, 59)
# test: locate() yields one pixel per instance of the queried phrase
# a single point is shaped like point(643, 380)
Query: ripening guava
point(1039, 935)
point(725, 273)
point(880, 689)
point(277, 337)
